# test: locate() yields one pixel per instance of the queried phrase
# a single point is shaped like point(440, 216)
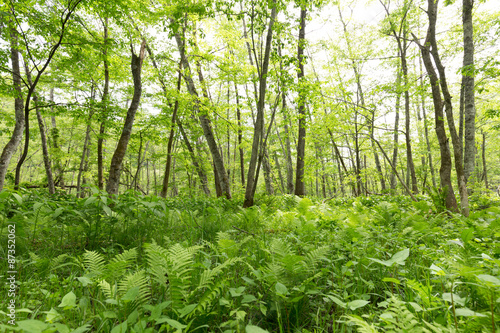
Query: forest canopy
point(230, 98)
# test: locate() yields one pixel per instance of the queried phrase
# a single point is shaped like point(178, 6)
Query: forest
point(250, 166)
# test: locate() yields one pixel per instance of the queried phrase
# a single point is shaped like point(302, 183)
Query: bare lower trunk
point(468, 83)
point(81, 169)
point(426, 130)
point(104, 115)
point(485, 169)
point(45, 149)
point(121, 148)
point(164, 190)
point(205, 122)
point(259, 124)
point(396, 129)
point(300, 189)
point(446, 164)
point(267, 173)
point(17, 134)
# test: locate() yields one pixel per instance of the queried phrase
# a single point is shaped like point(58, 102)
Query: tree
point(116, 162)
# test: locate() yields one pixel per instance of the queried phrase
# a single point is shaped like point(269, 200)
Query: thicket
point(137, 263)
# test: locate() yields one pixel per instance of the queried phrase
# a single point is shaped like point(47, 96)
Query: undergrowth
point(144, 264)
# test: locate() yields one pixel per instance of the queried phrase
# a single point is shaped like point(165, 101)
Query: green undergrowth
point(144, 264)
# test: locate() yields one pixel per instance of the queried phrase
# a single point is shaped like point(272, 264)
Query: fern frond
point(313, 258)
point(209, 275)
point(363, 326)
point(136, 279)
point(106, 288)
point(94, 263)
point(210, 297)
point(119, 264)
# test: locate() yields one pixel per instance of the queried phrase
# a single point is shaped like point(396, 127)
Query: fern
point(136, 279)
point(363, 326)
point(94, 262)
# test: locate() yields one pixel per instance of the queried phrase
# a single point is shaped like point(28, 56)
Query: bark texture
point(17, 133)
point(468, 91)
point(300, 188)
point(121, 148)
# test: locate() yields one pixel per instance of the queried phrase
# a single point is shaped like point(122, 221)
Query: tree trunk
point(267, 173)
point(259, 125)
point(301, 140)
point(121, 148)
point(426, 130)
point(164, 190)
point(240, 137)
point(448, 107)
point(45, 149)
point(409, 155)
point(396, 128)
point(79, 192)
point(485, 169)
point(17, 134)
point(446, 164)
point(468, 86)
point(205, 122)
point(104, 114)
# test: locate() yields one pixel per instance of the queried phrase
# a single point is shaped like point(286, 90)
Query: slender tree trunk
point(409, 154)
point(240, 137)
point(259, 124)
point(164, 190)
point(57, 156)
point(205, 122)
point(104, 113)
point(426, 129)
point(121, 148)
point(301, 140)
point(468, 86)
point(396, 128)
point(446, 164)
point(17, 135)
point(45, 149)
point(79, 192)
point(267, 173)
point(68, 12)
point(199, 169)
point(485, 169)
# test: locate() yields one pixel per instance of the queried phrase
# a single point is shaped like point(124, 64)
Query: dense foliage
point(138, 263)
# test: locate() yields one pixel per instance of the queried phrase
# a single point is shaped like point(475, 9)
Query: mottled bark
point(121, 148)
point(17, 134)
point(300, 189)
point(485, 169)
point(468, 86)
point(259, 124)
point(396, 128)
point(446, 164)
point(104, 113)
point(426, 129)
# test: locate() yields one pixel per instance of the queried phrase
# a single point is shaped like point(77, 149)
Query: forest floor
point(145, 264)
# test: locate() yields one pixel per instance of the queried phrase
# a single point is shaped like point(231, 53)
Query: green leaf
point(107, 210)
point(358, 303)
point(393, 280)
point(467, 234)
point(398, 258)
point(61, 328)
point(466, 312)
point(489, 280)
point(131, 294)
point(18, 198)
point(85, 281)
point(52, 316)
point(235, 292)
point(456, 299)
point(416, 307)
point(187, 309)
point(254, 329)
point(248, 299)
point(175, 324)
point(120, 328)
point(337, 301)
point(436, 270)
point(281, 289)
point(31, 325)
point(90, 200)
point(82, 329)
point(109, 314)
point(68, 301)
